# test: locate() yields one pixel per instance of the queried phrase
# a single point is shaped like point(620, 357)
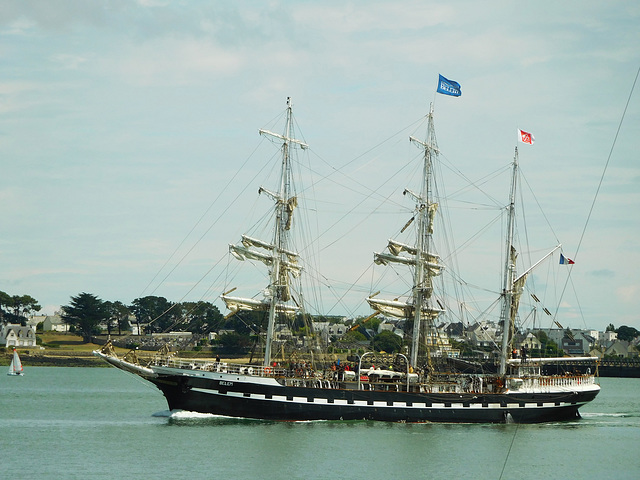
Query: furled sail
point(518, 288)
point(398, 309)
point(291, 204)
point(254, 242)
point(243, 252)
point(432, 213)
point(430, 261)
point(235, 304)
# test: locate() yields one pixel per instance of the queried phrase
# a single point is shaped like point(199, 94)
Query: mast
point(281, 261)
point(279, 281)
point(422, 284)
point(509, 271)
point(426, 264)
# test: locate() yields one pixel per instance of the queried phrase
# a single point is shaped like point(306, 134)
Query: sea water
point(102, 423)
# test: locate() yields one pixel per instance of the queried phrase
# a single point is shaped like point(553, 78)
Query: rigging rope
point(506, 459)
point(194, 227)
point(604, 171)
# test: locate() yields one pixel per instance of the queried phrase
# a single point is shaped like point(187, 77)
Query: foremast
point(420, 306)
point(281, 260)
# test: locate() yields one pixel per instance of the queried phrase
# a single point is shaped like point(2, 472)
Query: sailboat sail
point(15, 368)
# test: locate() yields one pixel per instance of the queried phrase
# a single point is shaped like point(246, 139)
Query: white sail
point(242, 253)
point(15, 368)
point(398, 309)
point(254, 242)
point(429, 261)
point(518, 288)
point(234, 304)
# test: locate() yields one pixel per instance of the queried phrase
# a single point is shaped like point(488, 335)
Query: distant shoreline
point(43, 358)
point(56, 360)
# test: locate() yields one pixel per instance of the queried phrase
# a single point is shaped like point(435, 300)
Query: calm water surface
point(101, 423)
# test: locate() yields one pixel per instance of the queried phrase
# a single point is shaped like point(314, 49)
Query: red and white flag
point(526, 137)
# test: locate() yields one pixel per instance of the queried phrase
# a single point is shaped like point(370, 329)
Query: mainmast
point(277, 256)
point(422, 284)
point(509, 271)
point(426, 264)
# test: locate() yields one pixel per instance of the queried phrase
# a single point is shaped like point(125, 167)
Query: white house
point(607, 337)
point(483, 334)
point(327, 330)
point(34, 320)
point(54, 323)
point(531, 342)
point(17, 336)
point(618, 348)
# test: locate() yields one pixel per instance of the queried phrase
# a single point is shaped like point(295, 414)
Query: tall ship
point(414, 387)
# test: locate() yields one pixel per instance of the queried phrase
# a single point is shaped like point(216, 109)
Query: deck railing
point(220, 367)
point(328, 381)
point(568, 381)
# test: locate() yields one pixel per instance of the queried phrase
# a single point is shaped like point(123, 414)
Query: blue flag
point(448, 87)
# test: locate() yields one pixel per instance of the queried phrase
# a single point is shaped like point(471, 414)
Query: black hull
point(285, 403)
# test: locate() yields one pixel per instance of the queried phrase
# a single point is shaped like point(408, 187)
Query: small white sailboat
point(15, 368)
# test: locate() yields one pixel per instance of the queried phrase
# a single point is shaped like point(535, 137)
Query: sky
point(123, 123)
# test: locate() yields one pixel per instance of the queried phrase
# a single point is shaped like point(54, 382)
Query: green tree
point(85, 314)
point(6, 302)
point(201, 317)
point(234, 342)
point(24, 305)
point(16, 308)
point(387, 341)
point(610, 328)
point(627, 333)
point(157, 312)
point(118, 316)
point(353, 336)
point(247, 322)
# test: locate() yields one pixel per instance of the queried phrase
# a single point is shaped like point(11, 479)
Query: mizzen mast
point(509, 272)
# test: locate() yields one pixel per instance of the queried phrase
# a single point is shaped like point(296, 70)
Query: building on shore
point(17, 336)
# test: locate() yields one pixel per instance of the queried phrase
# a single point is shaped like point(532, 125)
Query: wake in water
point(596, 415)
point(185, 417)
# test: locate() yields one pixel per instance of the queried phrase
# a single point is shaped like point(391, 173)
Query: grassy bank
point(57, 349)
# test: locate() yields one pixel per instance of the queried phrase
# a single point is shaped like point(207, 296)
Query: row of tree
point(624, 332)
point(87, 315)
point(16, 308)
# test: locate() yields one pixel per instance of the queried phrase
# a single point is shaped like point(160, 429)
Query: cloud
point(604, 273)
point(173, 61)
point(122, 120)
point(628, 293)
point(68, 61)
point(19, 27)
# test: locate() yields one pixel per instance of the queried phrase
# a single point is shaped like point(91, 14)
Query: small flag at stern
point(565, 260)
